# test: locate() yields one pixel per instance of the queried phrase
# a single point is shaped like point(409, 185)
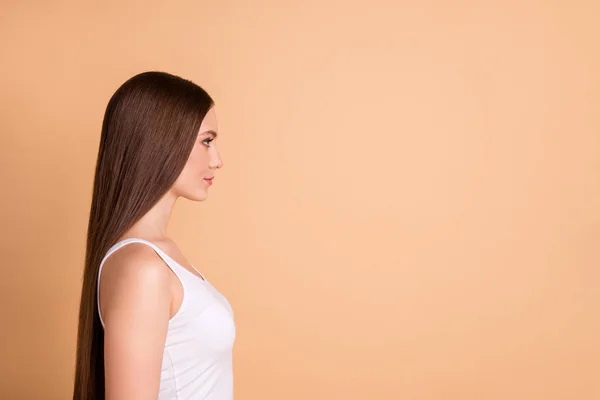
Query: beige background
point(410, 203)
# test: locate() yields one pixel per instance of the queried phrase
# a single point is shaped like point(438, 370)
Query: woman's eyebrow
point(211, 132)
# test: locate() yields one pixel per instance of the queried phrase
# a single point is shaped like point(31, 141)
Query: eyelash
point(207, 142)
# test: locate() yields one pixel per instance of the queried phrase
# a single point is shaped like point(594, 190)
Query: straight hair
point(149, 128)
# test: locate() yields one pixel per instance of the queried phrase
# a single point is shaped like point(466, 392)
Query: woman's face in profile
point(204, 160)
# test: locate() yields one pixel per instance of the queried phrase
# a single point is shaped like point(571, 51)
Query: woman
point(150, 325)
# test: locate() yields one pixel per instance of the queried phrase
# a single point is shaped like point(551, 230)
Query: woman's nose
point(216, 163)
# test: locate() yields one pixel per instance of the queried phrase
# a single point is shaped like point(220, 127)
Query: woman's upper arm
point(136, 300)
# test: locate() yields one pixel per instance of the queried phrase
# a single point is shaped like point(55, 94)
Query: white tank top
point(197, 360)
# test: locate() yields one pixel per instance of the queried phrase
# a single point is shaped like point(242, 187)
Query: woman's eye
point(207, 141)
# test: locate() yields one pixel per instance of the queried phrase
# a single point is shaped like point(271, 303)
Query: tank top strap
point(173, 265)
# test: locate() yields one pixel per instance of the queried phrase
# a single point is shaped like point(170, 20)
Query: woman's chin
point(199, 195)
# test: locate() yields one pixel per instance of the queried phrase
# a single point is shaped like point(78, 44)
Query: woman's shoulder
point(134, 271)
point(135, 260)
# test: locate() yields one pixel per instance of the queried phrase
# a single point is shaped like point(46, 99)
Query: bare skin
point(139, 294)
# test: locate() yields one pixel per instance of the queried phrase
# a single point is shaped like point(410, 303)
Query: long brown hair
point(149, 128)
